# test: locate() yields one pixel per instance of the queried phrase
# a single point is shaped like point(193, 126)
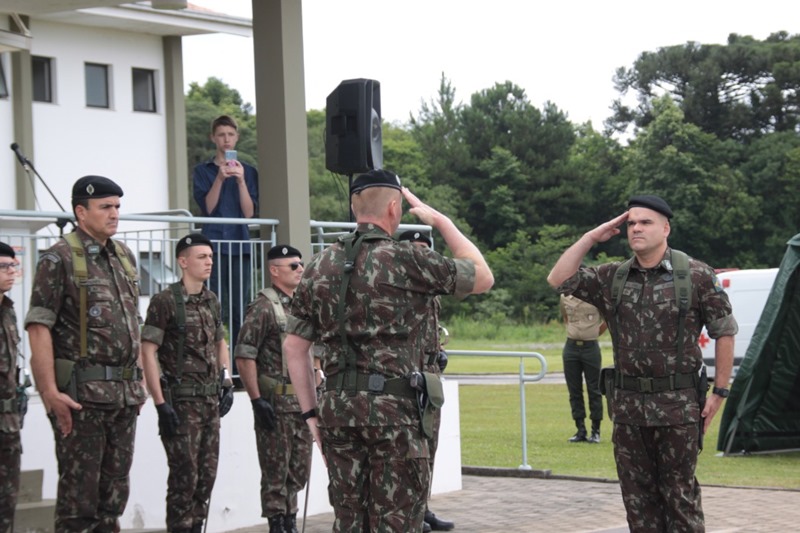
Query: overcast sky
point(565, 52)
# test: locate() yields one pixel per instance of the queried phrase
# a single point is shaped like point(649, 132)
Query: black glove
point(168, 420)
point(264, 413)
point(441, 360)
point(225, 400)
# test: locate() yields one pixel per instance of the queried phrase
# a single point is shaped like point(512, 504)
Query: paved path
point(488, 504)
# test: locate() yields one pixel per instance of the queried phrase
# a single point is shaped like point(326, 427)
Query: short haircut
point(223, 120)
point(372, 202)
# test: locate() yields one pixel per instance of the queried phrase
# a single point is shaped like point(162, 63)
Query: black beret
point(6, 250)
point(415, 236)
point(650, 201)
point(193, 239)
point(375, 178)
point(283, 250)
point(95, 187)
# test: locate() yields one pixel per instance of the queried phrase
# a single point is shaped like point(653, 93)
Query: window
point(144, 90)
point(3, 85)
point(42, 68)
point(97, 85)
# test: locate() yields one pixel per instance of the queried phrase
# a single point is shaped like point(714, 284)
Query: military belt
point(107, 373)
point(9, 406)
point(194, 389)
point(671, 382)
point(284, 389)
point(373, 383)
point(577, 342)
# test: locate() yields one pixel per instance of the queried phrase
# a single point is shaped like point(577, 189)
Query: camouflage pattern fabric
point(376, 454)
point(113, 321)
point(10, 444)
point(93, 465)
point(642, 479)
point(192, 456)
point(429, 364)
point(203, 331)
point(648, 323)
point(379, 477)
point(284, 452)
point(95, 458)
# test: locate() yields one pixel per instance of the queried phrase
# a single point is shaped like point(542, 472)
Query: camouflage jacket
point(260, 339)
point(203, 331)
point(646, 330)
point(113, 316)
point(387, 317)
point(9, 343)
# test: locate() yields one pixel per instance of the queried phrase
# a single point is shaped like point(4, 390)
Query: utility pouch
point(166, 388)
point(266, 386)
point(430, 401)
point(607, 383)
point(65, 378)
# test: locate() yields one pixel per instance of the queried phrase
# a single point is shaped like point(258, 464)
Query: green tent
point(763, 411)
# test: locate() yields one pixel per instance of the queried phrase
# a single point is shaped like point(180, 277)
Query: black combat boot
point(276, 523)
point(580, 436)
point(426, 527)
point(290, 523)
point(437, 524)
point(595, 437)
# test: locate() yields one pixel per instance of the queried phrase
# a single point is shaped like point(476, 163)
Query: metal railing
point(523, 379)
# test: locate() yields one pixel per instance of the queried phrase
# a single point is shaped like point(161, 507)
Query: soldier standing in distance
point(655, 399)
point(283, 442)
point(582, 358)
point(434, 359)
point(86, 364)
point(366, 301)
point(190, 397)
point(10, 422)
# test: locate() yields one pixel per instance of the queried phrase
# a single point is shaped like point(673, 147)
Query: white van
point(748, 291)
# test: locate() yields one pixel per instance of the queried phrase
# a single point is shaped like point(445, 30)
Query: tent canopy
point(763, 410)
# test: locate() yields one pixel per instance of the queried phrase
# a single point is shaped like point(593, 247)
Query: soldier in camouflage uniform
point(434, 359)
point(188, 396)
point(284, 445)
point(10, 445)
point(91, 397)
point(372, 341)
point(654, 400)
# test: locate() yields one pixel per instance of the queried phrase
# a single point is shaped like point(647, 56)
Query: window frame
point(47, 72)
point(106, 69)
point(137, 84)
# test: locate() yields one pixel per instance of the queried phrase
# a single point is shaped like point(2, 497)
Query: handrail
point(522, 380)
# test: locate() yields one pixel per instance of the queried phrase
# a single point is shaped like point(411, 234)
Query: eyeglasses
point(6, 266)
point(294, 266)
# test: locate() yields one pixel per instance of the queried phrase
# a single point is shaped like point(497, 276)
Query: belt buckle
point(376, 383)
point(109, 373)
point(645, 384)
point(579, 343)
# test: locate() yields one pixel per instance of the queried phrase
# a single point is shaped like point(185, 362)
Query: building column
point(22, 110)
point(281, 119)
point(175, 114)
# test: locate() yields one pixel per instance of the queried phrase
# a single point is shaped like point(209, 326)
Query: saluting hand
point(605, 231)
point(425, 213)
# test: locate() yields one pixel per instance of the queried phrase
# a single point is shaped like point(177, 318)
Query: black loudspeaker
point(353, 139)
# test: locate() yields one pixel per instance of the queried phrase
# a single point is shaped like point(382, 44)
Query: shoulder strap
point(620, 276)
point(683, 292)
point(125, 260)
point(80, 273)
point(352, 244)
point(280, 317)
point(180, 320)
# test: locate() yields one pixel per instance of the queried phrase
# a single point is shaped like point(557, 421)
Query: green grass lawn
point(490, 436)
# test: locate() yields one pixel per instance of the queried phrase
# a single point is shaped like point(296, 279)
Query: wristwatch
point(721, 392)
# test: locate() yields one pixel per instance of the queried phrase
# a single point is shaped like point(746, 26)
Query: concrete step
point(35, 517)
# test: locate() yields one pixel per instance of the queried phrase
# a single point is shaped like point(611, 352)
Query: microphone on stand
point(22, 159)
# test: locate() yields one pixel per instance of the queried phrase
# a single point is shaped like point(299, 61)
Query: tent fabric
point(762, 412)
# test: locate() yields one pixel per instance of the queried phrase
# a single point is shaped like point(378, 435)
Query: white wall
point(235, 502)
point(72, 140)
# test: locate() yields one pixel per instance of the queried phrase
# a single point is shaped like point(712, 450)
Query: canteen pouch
point(430, 402)
point(65, 378)
point(266, 385)
point(607, 380)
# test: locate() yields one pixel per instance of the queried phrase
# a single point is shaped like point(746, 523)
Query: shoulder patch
point(50, 256)
point(717, 284)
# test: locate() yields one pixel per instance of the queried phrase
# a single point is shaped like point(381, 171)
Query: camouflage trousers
point(284, 455)
point(10, 452)
point(656, 468)
point(379, 477)
point(192, 456)
point(93, 465)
